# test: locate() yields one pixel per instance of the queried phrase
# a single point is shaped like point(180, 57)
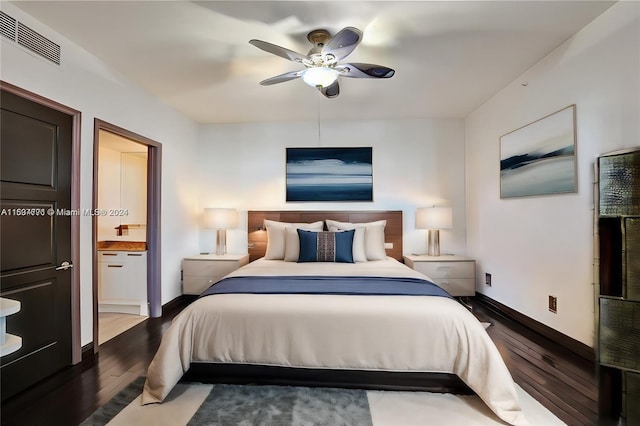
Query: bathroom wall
point(122, 188)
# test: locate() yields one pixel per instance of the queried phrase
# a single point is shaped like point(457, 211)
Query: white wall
point(122, 186)
point(133, 189)
point(109, 182)
point(416, 163)
point(540, 246)
point(86, 84)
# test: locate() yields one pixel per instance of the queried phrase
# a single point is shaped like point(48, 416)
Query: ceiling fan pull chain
point(319, 136)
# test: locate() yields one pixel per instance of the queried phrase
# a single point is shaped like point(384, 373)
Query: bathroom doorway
point(126, 236)
point(121, 214)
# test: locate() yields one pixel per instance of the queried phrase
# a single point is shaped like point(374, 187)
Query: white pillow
point(374, 242)
point(292, 244)
point(276, 241)
point(359, 252)
point(373, 238)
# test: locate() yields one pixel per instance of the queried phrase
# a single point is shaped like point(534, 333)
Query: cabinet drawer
point(193, 284)
point(457, 286)
point(111, 256)
point(122, 256)
point(112, 280)
point(461, 269)
point(209, 269)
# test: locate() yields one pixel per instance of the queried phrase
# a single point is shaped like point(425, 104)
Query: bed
point(288, 316)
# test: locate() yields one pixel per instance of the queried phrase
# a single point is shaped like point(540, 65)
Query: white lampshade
point(220, 218)
point(319, 76)
point(434, 218)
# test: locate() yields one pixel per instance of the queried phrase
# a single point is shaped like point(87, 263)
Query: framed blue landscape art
point(540, 158)
point(329, 174)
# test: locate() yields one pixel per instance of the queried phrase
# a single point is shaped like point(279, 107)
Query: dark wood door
point(35, 238)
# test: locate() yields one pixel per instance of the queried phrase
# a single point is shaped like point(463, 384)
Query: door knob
point(64, 266)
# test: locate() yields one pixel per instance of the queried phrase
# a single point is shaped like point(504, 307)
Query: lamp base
point(433, 242)
point(221, 242)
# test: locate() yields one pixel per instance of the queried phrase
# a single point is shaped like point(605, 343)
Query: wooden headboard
point(258, 236)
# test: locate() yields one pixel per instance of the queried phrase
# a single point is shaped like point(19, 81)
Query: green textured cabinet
point(619, 273)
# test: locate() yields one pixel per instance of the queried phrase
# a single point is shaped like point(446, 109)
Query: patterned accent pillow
point(326, 246)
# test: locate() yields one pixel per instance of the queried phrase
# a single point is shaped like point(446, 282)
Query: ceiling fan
point(322, 67)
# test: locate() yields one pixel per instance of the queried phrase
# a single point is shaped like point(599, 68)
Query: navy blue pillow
point(326, 246)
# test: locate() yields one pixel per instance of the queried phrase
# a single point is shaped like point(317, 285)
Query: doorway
point(126, 231)
point(122, 217)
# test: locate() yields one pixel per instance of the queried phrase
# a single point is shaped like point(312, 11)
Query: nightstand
point(201, 271)
point(455, 274)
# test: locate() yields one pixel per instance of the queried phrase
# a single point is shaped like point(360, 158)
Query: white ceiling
point(120, 144)
point(449, 56)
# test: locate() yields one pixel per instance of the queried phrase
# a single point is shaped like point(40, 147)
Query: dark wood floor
point(561, 381)
point(70, 396)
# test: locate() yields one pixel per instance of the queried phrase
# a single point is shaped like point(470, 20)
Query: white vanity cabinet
point(122, 282)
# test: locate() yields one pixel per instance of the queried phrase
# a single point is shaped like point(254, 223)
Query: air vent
point(8, 26)
point(29, 39)
point(38, 43)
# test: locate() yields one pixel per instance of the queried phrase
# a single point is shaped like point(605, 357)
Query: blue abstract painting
point(540, 158)
point(329, 174)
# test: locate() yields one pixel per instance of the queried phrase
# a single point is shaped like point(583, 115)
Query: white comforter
point(389, 333)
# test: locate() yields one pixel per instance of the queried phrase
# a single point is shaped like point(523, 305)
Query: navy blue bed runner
point(346, 285)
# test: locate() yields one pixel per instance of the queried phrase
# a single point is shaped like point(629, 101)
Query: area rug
point(247, 405)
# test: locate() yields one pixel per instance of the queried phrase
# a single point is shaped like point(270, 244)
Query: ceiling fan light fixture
point(320, 76)
point(323, 62)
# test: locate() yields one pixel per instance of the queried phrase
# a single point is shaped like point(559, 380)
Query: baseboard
point(555, 336)
point(178, 302)
point(132, 307)
point(87, 351)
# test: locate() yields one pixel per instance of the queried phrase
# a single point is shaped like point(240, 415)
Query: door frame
point(76, 337)
point(154, 174)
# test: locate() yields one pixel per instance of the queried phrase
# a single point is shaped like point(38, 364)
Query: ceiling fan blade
point(331, 91)
point(281, 78)
point(343, 43)
point(278, 50)
point(357, 70)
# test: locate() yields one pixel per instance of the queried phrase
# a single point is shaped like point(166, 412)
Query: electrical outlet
point(553, 304)
point(487, 279)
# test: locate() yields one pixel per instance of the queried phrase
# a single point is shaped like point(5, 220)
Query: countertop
point(122, 245)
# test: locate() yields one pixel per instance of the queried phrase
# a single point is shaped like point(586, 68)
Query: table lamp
point(220, 219)
point(434, 219)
